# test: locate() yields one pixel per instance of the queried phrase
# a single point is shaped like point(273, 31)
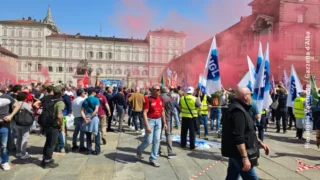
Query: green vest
point(298, 107)
point(191, 100)
point(204, 107)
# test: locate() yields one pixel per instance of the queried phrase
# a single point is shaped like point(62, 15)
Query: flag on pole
point(245, 81)
point(86, 80)
point(314, 90)
point(294, 87)
point(168, 79)
point(213, 77)
point(202, 83)
point(259, 86)
point(285, 79)
point(273, 85)
point(267, 97)
point(260, 58)
point(162, 81)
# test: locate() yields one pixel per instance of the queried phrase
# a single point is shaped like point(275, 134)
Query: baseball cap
point(57, 89)
point(190, 90)
point(91, 90)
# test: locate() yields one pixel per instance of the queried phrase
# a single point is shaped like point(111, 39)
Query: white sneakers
point(5, 166)
point(132, 127)
point(26, 156)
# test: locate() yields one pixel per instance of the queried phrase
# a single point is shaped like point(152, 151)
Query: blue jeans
point(61, 140)
point(135, 115)
point(153, 137)
point(89, 142)
point(204, 121)
point(77, 128)
point(4, 133)
point(176, 118)
point(215, 113)
point(235, 170)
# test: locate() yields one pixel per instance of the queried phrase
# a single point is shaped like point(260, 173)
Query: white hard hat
point(190, 90)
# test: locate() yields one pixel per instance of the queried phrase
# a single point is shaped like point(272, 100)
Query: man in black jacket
point(239, 140)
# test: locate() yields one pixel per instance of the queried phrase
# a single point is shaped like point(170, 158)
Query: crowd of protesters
point(150, 112)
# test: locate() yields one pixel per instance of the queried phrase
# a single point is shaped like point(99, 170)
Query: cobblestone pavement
point(117, 161)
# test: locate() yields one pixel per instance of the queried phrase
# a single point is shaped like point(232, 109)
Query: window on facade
point(4, 42)
point(118, 71)
point(70, 69)
point(39, 51)
point(49, 52)
point(12, 33)
point(144, 72)
point(80, 54)
point(60, 69)
point(19, 66)
point(299, 41)
point(50, 68)
point(30, 33)
point(109, 71)
point(153, 69)
point(20, 50)
point(29, 43)
point(90, 54)
point(99, 70)
point(110, 55)
point(60, 52)
point(39, 34)
point(4, 32)
point(70, 53)
point(29, 51)
point(20, 33)
point(100, 55)
point(300, 18)
point(39, 67)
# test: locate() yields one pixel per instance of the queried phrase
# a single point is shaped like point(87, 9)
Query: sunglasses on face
point(156, 89)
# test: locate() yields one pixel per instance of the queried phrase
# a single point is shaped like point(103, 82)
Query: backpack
point(24, 117)
point(46, 118)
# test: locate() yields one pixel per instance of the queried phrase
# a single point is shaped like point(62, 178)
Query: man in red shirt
point(103, 109)
point(153, 113)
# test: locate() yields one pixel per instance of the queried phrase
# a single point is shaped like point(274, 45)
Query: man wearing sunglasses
point(153, 113)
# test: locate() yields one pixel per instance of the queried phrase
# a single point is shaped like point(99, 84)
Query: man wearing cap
point(203, 112)
point(298, 111)
point(188, 105)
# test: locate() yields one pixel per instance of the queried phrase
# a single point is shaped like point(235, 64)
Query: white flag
point(213, 77)
point(267, 97)
point(294, 88)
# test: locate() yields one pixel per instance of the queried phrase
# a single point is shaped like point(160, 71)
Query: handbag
point(274, 104)
point(24, 117)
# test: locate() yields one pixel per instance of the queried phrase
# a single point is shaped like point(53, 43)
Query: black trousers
point(291, 117)
point(188, 124)
point(137, 115)
point(110, 119)
point(273, 115)
point(52, 135)
point(281, 115)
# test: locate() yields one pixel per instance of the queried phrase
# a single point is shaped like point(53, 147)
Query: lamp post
point(30, 64)
point(97, 77)
point(128, 76)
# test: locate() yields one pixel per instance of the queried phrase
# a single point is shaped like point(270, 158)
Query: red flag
point(86, 79)
point(44, 71)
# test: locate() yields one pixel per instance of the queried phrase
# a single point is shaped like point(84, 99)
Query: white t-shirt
point(77, 106)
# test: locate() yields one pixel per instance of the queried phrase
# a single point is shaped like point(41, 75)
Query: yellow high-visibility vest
point(298, 107)
point(204, 107)
point(263, 111)
point(191, 100)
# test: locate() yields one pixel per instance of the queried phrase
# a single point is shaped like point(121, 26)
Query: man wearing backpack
point(51, 120)
point(168, 109)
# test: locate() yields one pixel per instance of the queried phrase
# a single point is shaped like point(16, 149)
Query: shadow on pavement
point(302, 156)
point(32, 160)
point(121, 157)
point(35, 150)
point(288, 139)
point(130, 150)
point(203, 154)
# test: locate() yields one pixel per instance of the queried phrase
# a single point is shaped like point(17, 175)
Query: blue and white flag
point(267, 97)
point(294, 87)
point(213, 77)
point(285, 79)
point(202, 83)
point(260, 58)
point(258, 92)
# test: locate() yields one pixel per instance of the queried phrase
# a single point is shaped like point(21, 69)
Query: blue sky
point(200, 19)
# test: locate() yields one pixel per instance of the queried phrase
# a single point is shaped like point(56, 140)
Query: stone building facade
point(46, 54)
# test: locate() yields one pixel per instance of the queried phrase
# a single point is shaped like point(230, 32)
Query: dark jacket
point(238, 128)
point(282, 99)
point(168, 106)
point(67, 102)
point(120, 100)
